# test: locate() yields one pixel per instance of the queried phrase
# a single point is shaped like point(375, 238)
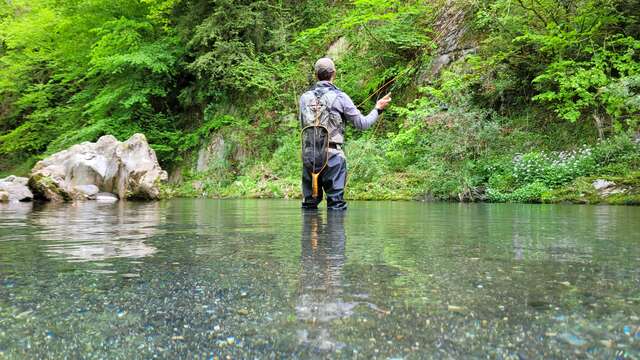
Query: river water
point(263, 279)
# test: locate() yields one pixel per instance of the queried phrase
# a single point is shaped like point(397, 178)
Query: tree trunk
point(599, 125)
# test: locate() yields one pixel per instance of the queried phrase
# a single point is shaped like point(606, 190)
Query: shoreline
point(591, 199)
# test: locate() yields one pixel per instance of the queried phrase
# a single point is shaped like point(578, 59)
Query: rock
point(601, 184)
point(15, 189)
point(606, 188)
point(176, 176)
point(90, 191)
point(607, 343)
point(473, 194)
point(572, 339)
point(106, 197)
point(129, 169)
point(438, 63)
point(338, 48)
point(449, 28)
point(16, 179)
point(212, 153)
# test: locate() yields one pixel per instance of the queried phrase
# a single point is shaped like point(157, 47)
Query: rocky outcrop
point(338, 48)
point(14, 188)
point(449, 35)
point(606, 188)
point(213, 152)
point(128, 169)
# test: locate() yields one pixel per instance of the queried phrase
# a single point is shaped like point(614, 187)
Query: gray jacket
point(341, 110)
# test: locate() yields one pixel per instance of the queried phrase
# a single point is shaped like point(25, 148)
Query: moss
point(581, 191)
point(624, 199)
point(631, 184)
point(45, 188)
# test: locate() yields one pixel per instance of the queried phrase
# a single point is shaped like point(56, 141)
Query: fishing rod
point(406, 71)
point(393, 80)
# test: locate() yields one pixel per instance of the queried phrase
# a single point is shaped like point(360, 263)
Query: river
point(242, 279)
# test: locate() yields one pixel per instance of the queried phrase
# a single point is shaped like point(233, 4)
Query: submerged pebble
point(455, 308)
point(23, 314)
point(572, 339)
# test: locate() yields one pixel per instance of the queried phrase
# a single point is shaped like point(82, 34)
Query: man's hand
point(382, 103)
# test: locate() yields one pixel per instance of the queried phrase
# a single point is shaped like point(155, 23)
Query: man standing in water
point(328, 107)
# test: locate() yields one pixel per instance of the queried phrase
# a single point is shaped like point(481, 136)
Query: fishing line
point(394, 79)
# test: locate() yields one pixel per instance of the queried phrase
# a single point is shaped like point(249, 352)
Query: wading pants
point(332, 180)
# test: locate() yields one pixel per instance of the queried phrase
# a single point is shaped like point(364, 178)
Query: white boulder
point(14, 188)
point(129, 169)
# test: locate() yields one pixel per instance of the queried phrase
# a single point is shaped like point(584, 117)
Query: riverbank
point(606, 172)
point(585, 190)
point(503, 170)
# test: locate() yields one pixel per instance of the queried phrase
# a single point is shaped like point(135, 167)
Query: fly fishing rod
point(382, 87)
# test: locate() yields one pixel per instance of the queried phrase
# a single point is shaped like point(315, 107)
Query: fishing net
point(315, 152)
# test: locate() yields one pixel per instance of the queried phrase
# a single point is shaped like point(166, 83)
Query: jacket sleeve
point(300, 105)
point(350, 113)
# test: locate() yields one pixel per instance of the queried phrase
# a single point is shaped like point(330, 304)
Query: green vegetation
point(494, 100)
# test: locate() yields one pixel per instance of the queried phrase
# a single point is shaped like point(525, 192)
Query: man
point(325, 101)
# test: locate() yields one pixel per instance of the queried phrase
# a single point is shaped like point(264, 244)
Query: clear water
point(262, 279)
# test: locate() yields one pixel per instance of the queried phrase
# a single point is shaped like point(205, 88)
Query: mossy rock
point(581, 191)
point(45, 188)
point(624, 199)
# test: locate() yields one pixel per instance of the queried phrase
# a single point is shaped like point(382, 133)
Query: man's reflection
point(322, 260)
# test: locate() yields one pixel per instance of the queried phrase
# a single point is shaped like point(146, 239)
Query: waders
point(315, 152)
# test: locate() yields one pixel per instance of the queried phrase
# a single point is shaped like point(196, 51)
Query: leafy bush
point(532, 192)
point(365, 160)
point(286, 159)
point(555, 168)
point(618, 149)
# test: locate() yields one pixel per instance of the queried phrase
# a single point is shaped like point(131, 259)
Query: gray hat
point(324, 65)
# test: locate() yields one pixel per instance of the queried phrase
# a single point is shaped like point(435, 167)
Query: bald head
point(324, 69)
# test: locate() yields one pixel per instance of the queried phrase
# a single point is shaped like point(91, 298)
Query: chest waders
point(315, 136)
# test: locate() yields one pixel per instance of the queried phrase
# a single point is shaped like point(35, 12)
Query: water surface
point(262, 279)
